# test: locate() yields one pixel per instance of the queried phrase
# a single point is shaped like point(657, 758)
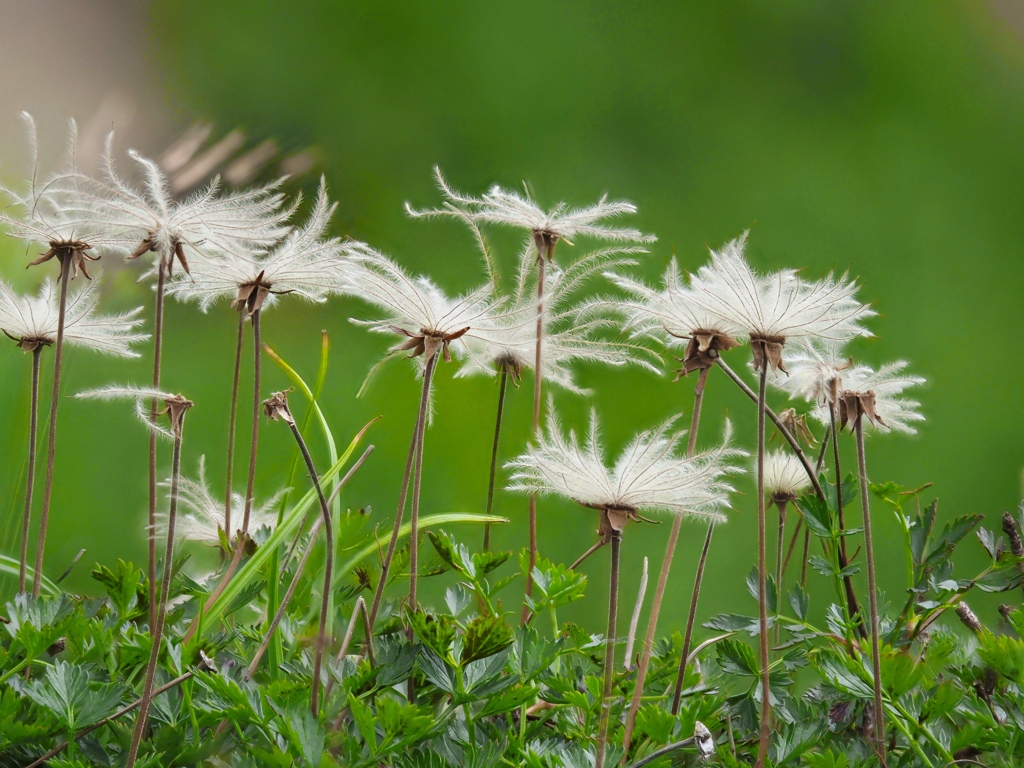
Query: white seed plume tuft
point(784, 476)
point(816, 372)
point(140, 396)
point(649, 475)
point(887, 384)
point(205, 514)
point(306, 263)
point(502, 206)
point(32, 320)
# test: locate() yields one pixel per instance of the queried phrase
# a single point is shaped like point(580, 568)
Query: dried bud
point(57, 647)
point(703, 348)
point(968, 617)
point(1013, 534)
point(70, 252)
point(703, 740)
point(853, 405)
point(768, 350)
point(176, 406)
point(1005, 610)
point(250, 295)
point(206, 664)
point(545, 243)
point(276, 407)
point(796, 424)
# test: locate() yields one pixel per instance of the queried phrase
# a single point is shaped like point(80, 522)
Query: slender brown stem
point(421, 419)
point(684, 657)
point(792, 544)
point(240, 539)
point(328, 564)
point(803, 565)
point(851, 597)
point(579, 560)
point(42, 760)
point(762, 577)
point(609, 650)
point(778, 560)
point(33, 425)
point(51, 450)
point(872, 591)
point(666, 565)
point(228, 482)
point(538, 383)
point(494, 453)
point(165, 585)
point(158, 344)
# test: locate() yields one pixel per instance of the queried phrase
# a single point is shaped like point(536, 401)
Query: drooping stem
point(414, 548)
point(762, 576)
point(158, 344)
point(33, 425)
point(240, 539)
point(792, 544)
point(421, 419)
point(58, 349)
point(165, 585)
point(872, 591)
point(538, 382)
point(299, 569)
point(494, 453)
point(228, 482)
point(609, 650)
point(321, 637)
point(666, 565)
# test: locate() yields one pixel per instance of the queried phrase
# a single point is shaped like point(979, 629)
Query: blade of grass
point(10, 565)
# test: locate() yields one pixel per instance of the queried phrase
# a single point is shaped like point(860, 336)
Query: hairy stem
point(321, 637)
point(872, 592)
point(421, 419)
point(33, 425)
point(762, 577)
point(165, 585)
point(538, 383)
point(851, 596)
point(229, 480)
point(609, 650)
point(158, 345)
point(494, 454)
point(51, 450)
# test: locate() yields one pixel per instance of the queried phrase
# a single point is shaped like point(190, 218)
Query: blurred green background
point(876, 137)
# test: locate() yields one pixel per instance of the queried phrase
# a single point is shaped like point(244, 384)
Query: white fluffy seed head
point(784, 476)
point(649, 474)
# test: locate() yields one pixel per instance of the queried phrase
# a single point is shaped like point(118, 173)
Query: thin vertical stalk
point(851, 598)
point(762, 578)
point(165, 585)
point(240, 543)
point(328, 565)
point(158, 343)
point(421, 419)
point(494, 453)
point(666, 565)
point(778, 558)
point(538, 382)
point(690, 618)
point(51, 450)
point(872, 591)
point(228, 482)
point(33, 425)
point(609, 651)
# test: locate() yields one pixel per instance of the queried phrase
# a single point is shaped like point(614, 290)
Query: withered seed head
point(703, 739)
point(28, 343)
point(512, 367)
point(276, 407)
point(796, 424)
point(968, 617)
point(175, 408)
point(545, 243)
point(251, 295)
point(703, 348)
point(426, 342)
point(854, 405)
point(768, 350)
point(73, 252)
point(1013, 534)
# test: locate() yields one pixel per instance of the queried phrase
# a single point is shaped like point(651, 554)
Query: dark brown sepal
point(144, 247)
point(702, 349)
point(768, 351)
point(545, 242)
point(276, 407)
point(175, 407)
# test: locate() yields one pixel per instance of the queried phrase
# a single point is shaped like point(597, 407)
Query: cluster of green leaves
point(468, 684)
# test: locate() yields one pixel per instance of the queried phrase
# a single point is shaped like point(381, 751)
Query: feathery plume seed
point(649, 474)
point(784, 477)
point(31, 321)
